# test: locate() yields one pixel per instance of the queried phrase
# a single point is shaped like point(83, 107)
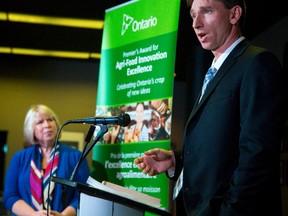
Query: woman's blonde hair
point(30, 120)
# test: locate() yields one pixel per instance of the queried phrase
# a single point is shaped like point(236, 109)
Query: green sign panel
point(136, 77)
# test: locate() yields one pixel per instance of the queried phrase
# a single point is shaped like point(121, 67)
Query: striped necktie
point(178, 185)
point(208, 77)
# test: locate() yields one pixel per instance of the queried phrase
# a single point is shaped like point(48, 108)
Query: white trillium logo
point(127, 21)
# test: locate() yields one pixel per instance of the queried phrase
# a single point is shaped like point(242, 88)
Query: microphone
point(122, 120)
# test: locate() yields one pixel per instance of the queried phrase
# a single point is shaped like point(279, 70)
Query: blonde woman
point(27, 179)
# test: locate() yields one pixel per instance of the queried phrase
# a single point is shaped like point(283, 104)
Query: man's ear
point(235, 15)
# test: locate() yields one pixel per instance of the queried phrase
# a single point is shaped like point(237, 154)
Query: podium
point(97, 202)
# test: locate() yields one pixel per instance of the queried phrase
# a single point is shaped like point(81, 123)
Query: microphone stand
point(64, 187)
point(85, 152)
point(100, 134)
point(87, 140)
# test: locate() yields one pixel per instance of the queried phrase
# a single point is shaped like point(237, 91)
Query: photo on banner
point(136, 77)
point(149, 121)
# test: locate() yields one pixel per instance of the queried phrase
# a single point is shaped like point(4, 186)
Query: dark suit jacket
point(232, 139)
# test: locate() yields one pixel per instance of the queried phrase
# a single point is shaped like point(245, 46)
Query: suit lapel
point(225, 67)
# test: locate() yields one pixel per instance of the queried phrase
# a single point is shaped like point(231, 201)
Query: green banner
point(136, 77)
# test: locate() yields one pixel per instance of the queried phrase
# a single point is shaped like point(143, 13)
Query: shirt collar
point(222, 58)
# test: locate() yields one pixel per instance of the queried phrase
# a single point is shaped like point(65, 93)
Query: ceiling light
point(49, 20)
point(49, 53)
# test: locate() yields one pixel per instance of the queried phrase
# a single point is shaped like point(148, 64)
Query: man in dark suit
point(231, 146)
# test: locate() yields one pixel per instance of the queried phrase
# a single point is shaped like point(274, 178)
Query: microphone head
point(124, 120)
